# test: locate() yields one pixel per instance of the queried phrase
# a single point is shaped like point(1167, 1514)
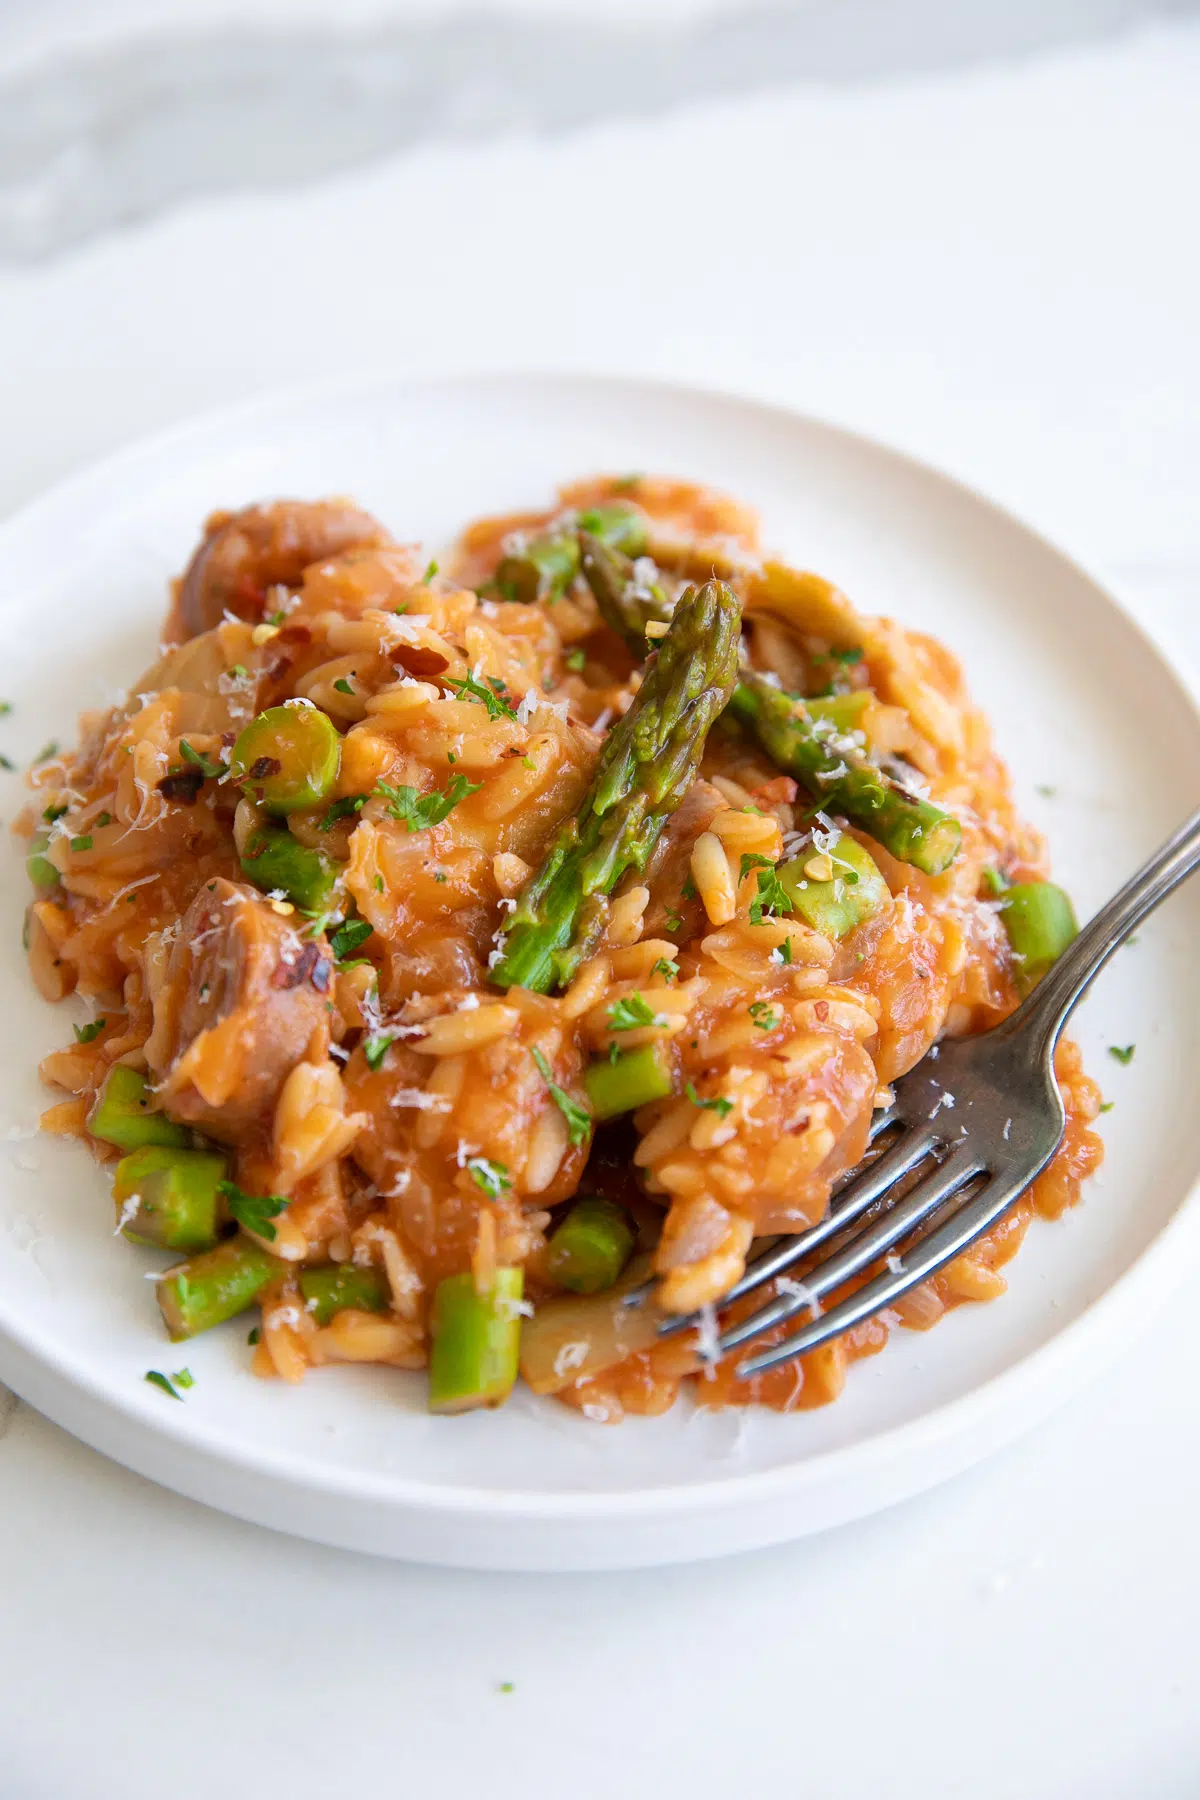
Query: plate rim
point(1020, 1396)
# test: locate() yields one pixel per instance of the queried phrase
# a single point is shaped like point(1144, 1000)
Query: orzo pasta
point(468, 945)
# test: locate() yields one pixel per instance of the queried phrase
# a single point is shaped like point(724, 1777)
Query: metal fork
point(984, 1111)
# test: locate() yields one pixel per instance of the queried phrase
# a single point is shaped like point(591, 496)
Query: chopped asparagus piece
point(287, 758)
point(329, 1291)
point(648, 762)
point(633, 1080)
point(914, 831)
point(545, 567)
point(40, 869)
point(1040, 921)
point(836, 907)
point(276, 861)
point(169, 1198)
point(124, 1114)
point(474, 1341)
point(215, 1286)
point(591, 1246)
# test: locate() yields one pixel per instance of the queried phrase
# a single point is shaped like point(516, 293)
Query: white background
point(998, 268)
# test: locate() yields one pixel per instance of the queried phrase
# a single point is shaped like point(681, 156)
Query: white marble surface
point(999, 270)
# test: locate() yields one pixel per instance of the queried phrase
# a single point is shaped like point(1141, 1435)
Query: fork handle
point(1045, 1011)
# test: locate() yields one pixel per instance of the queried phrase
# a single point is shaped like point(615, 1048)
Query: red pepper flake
point(310, 965)
point(264, 767)
point(183, 785)
point(822, 1009)
point(417, 661)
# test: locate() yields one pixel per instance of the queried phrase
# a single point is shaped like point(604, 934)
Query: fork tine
point(938, 1187)
point(917, 1264)
point(903, 1157)
point(855, 1195)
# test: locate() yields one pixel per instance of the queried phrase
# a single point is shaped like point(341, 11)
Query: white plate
point(1080, 702)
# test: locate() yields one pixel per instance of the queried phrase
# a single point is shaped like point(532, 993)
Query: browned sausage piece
point(244, 554)
point(242, 1001)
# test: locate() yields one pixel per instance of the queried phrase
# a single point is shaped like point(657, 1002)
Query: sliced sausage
point(241, 1002)
point(245, 554)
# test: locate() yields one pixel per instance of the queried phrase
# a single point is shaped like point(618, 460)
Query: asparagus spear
point(648, 763)
point(914, 831)
point(1040, 921)
point(545, 567)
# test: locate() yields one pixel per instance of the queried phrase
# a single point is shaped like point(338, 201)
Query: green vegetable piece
point(591, 1247)
point(1040, 922)
point(125, 1115)
point(169, 1198)
point(215, 1286)
point(633, 1080)
point(475, 1339)
point(914, 831)
point(837, 907)
point(844, 711)
point(647, 765)
point(287, 758)
point(40, 869)
point(275, 861)
point(332, 1290)
point(545, 567)
point(157, 1379)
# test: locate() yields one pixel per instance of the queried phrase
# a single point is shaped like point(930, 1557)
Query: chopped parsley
point(253, 1337)
point(349, 937)
point(343, 686)
point(417, 810)
point(238, 671)
point(1045, 790)
point(772, 896)
point(1108, 1106)
point(375, 1048)
point(431, 570)
point(104, 819)
point(54, 812)
point(847, 657)
point(764, 1015)
point(183, 1378)
point(5, 708)
point(672, 921)
point(6, 762)
point(379, 884)
point(87, 1034)
point(491, 1177)
point(633, 1010)
point(345, 808)
point(205, 764)
point(81, 843)
point(491, 696)
point(579, 1119)
point(47, 751)
point(157, 1379)
point(1123, 1054)
point(688, 890)
point(254, 1211)
point(717, 1104)
point(576, 660)
point(667, 967)
point(783, 952)
point(994, 881)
